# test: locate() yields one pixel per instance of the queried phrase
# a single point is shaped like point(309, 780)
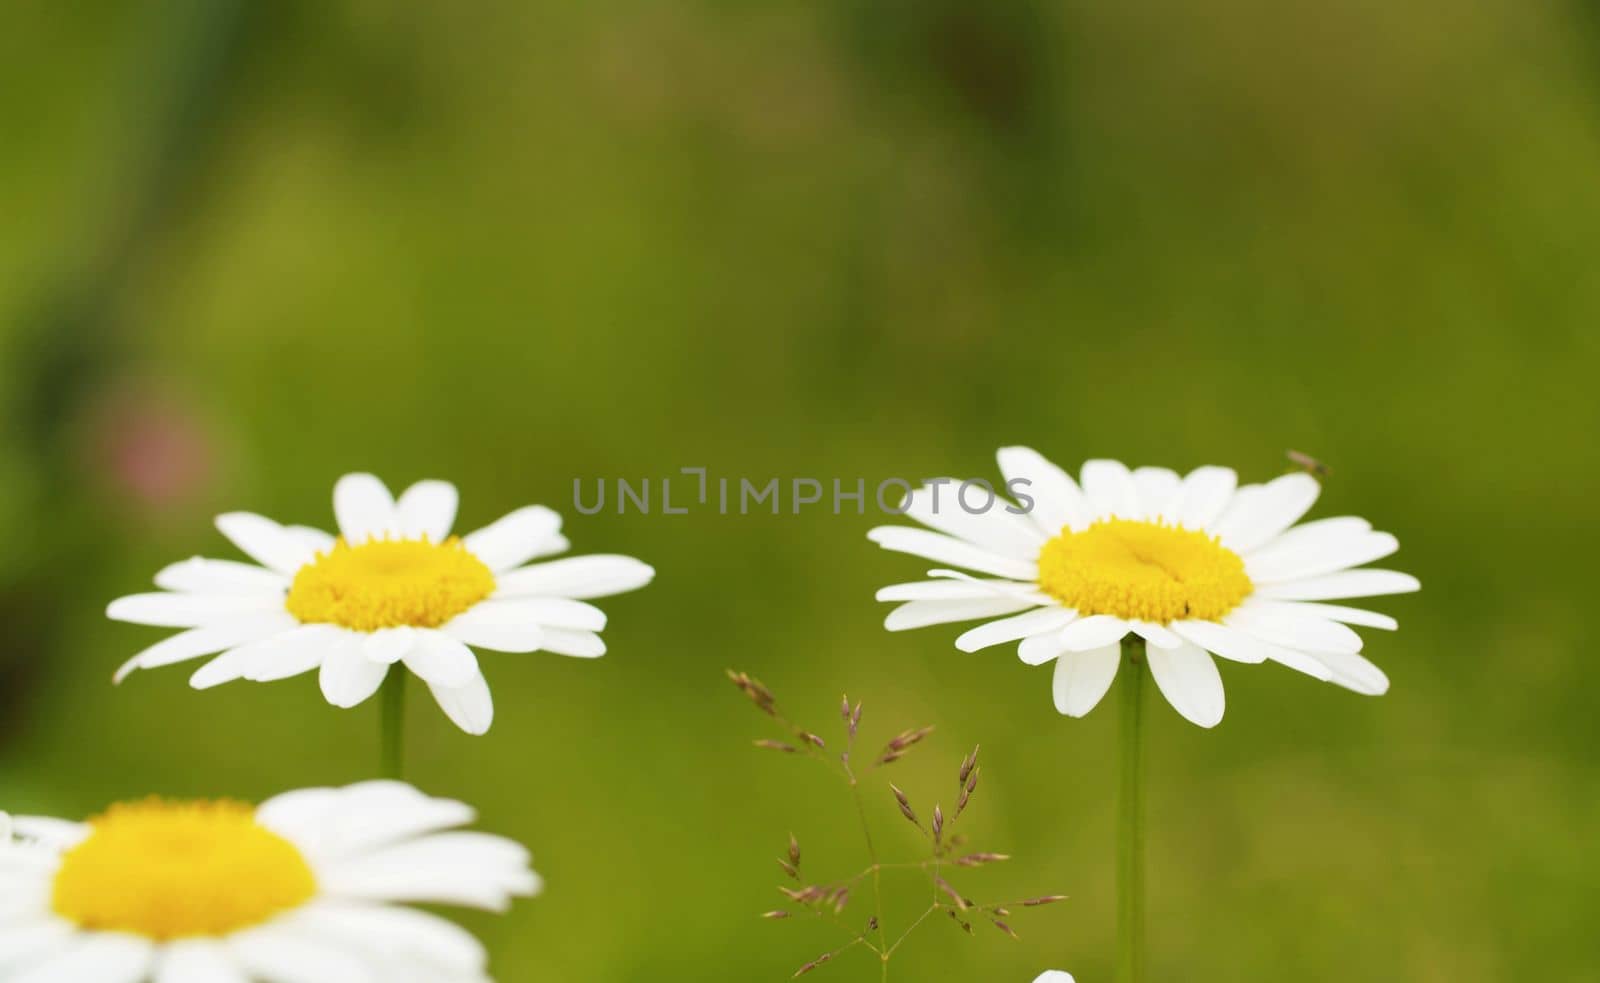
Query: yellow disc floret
point(173, 870)
point(386, 583)
point(1143, 570)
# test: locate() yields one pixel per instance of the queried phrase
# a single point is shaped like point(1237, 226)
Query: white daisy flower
point(307, 887)
point(393, 587)
point(1195, 565)
point(1055, 976)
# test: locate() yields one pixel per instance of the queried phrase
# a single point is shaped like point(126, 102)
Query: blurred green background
point(246, 248)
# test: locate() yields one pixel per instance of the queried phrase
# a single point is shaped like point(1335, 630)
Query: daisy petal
point(1083, 678)
point(277, 954)
point(1038, 621)
point(1110, 490)
point(198, 575)
point(196, 642)
point(1158, 635)
point(1058, 502)
point(440, 660)
point(190, 610)
point(938, 506)
point(1336, 586)
point(1274, 563)
point(290, 654)
point(1036, 650)
point(1355, 672)
point(1093, 632)
point(427, 510)
point(1332, 612)
point(1230, 643)
point(516, 538)
point(364, 509)
point(580, 577)
point(1249, 523)
point(566, 641)
point(1297, 631)
point(389, 645)
point(1155, 490)
point(945, 549)
point(921, 614)
point(198, 961)
point(470, 707)
point(445, 948)
point(266, 542)
point(1188, 678)
point(1202, 496)
point(348, 677)
point(103, 957)
point(950, 590)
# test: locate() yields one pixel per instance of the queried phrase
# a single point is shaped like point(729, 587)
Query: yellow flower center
point(386, 583)
point(1143, 570)
point(172, 870)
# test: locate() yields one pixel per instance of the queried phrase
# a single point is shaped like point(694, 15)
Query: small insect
point(1308, 464)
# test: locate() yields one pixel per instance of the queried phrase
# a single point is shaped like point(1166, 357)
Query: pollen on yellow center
point(1143, 570)
point(386, 583)
point(173, 870)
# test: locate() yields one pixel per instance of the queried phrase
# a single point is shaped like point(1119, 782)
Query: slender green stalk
point(1130, 834)
point(392, 727)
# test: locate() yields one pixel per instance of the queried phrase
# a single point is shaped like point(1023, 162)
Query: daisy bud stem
point(393, 724)
point(1130, 836)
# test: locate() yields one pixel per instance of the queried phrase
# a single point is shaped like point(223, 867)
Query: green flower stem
point(392, 727)
point(1130, 834)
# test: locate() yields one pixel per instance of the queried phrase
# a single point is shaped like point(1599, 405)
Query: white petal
point(364, 508)
point(291, 653)
point(446, 950)
point(920, 614)
point(578, 577)
point(944, 549)
point(1332, 612)
point(278, 955)
point(950, 590)
point(1335, 586)
point(348, 677)
point(514, 539)
point(1251, 521)
point(1297, 631)
point(999, 588)
point(1317, 534)
point(470, 707)
point(565, 641)
point(1058, 502)
point(1054, 976)
point(938, 506)
point(1110, 489)
point(1157, 635)
point(527, 637)
point(441, 660)
point(101, 957)
point(427, 510)
point(389, 645)
point(1354, 672)
point(266, 542)
point(34, 938)
point(1082, 678)
point(1281, 654)
point(557, 612)
point(1036, 650)
point(57, 834)
point(198, 575)
point(196, 642)
point(465, 868)
point(1188, 678)
point(1205, 492)
point(1275, 563)
point(1230, 643)
point(198, 961)
point(1093, 632)
point(1156, 491)
point(1015, 628)
point(190, 610)
point(318, 540)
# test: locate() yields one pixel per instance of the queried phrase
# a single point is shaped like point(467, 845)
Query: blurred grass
point(838, 239)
